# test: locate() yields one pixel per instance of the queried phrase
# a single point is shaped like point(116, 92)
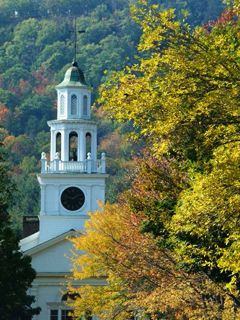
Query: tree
point(183, 95)
point(8, 99)
point(140, 278)
point(183, 99)
point(16, 273)
point(18, 147)
point(207, 216)
point(3, 113)
point(36, 46)
point(199, 12)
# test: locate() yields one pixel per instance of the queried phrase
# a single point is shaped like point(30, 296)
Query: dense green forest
point(36, 47)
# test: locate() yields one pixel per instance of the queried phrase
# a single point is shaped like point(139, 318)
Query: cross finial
point(75, 38)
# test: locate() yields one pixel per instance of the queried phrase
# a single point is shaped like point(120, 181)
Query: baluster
point(89, 163)
point(56, 162)
point(103, 162)
point(43, 162)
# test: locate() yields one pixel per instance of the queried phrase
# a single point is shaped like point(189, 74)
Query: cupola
point(74, 96)
point(74, 77)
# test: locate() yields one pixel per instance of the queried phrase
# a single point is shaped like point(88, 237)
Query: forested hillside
point(36, 46)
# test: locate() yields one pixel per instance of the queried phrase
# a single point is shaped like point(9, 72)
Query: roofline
point(72, 85)
point(30, 238)
point(49, 243)
point(72, 121)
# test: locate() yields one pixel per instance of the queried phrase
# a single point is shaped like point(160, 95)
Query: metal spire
point(75, 38)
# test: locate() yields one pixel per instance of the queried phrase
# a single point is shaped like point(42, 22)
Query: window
point(73, 146)
point(88, 143)
point(58, 143)
point(66, 315)
point(73, 104)
point(54, 315)
point(62, 104)
point(85, 105)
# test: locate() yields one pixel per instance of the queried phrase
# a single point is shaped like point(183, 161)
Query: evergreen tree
point(16, 273)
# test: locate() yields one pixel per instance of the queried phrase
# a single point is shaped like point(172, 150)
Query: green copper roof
point(74, 77)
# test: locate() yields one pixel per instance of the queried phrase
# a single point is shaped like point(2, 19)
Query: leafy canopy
point(182, 97)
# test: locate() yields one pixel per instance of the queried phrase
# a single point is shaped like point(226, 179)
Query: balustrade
point(87, 166)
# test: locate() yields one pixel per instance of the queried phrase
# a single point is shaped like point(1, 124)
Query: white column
point(53, 145)
point(68, 107)
point(58, 104)
point(80, 103)
point(82, 146)
point(89, 105)
point(94, 144)
point(78, 145)
point(65, 146)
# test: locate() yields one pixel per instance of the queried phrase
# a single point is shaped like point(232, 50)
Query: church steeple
point(73, 180)
point(73, 134)
point(72, 184)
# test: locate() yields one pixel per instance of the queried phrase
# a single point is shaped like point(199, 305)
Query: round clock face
point(72, 198)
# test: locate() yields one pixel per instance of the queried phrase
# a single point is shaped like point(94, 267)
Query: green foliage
point(26, 200)
point(36, 46)
point(207, 216)
point(155, 192)
point(199, 11)
point(16, 273)
point(183, 99)
point(16, 277)
point(8, 98)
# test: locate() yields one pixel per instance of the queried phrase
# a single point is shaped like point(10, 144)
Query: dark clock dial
point(72, 198)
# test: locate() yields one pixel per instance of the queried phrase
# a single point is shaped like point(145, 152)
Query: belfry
point(72, 181)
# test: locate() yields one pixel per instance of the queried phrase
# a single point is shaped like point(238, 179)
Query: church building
point(72, 182)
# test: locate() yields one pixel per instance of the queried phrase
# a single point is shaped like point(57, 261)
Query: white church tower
point(73, 180)
point(72, 183)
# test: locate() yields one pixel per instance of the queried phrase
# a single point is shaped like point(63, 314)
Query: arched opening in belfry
point(85, 105)
point(59, 143)
point(73, 146)
point(88, 143)
point(62, 104)
point(73, 104)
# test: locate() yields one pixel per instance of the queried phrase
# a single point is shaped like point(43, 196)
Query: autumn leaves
point(170, 246)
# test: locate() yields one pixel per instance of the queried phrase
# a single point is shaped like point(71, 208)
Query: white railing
point(87, 166)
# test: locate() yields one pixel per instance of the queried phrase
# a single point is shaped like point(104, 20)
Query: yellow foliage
point(183, 97)
point(140, 278)
point(185, 87)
